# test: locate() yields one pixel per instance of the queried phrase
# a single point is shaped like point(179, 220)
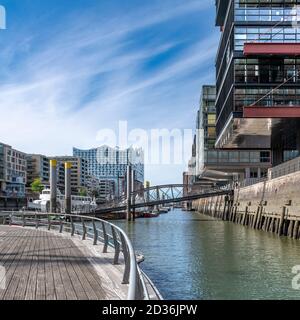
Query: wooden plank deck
point(42, 265)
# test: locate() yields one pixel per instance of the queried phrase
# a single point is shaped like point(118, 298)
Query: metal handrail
point(137, 290)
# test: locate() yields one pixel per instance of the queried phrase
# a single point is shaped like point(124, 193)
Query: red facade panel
point(288, 49)
point(272, 112)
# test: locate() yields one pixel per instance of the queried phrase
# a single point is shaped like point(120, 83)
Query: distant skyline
point(72, 68)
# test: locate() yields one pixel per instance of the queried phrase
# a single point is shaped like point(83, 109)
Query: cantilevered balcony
point(271, 49)
point(273, 112)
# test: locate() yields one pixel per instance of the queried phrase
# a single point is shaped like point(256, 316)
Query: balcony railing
point(285, 168)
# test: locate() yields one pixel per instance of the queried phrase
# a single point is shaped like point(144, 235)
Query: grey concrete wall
point(272, 206)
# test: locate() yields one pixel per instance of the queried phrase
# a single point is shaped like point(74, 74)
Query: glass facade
point(209, 158)
point(262, 80)
point(238, 157)
point(266, 10)
point(207, 116)
point(264, 35)
point(107, 163)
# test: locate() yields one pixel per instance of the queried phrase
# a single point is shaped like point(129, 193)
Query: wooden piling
point(282, 220)
point(296, 230)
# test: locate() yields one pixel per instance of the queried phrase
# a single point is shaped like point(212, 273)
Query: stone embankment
point(272, 206)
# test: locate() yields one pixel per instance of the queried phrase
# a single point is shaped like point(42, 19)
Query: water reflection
point(190, 256)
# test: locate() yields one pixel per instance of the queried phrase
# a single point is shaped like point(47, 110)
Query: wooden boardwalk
point(42, 265)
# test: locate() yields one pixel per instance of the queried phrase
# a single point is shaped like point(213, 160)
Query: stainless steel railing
point(285, 168)
point(98, 230)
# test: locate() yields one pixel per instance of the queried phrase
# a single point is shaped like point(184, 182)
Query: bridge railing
point(99, 231)
point(149, 196)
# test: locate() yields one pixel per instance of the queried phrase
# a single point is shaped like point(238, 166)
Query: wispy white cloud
point(83, 79)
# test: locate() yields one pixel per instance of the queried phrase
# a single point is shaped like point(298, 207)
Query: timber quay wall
point(271, 206)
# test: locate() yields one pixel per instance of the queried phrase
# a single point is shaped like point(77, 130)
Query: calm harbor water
point(191, 256)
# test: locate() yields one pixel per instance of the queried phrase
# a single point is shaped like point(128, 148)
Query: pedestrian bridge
point(68, 257)
point(160, 195)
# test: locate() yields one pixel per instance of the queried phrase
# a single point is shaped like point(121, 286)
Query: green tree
point(83, 192)
point(95, 193)
point(36, 186)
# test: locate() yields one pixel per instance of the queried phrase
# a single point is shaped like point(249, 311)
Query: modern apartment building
point(12, 171)
point(106, 163)
point(79, 172)
point(38, 167)
point(101, 189)
point(258, 79)
point(205, 125)
point(106, 190)
point(223, 165)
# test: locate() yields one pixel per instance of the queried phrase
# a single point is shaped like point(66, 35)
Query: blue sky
point(70, 68)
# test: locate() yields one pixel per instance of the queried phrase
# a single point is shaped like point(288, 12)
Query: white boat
point(79, 204)
point(163, 210)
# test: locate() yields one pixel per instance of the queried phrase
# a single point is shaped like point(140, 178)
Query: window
point(233, 156)
point(211, 132)
point(264, 34)
point(265, 156)
point(244, 156)
point(211, 119)
point(223, 156)
point(255, 157)
point(253, 173)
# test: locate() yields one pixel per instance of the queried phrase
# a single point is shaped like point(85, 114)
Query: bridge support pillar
point(68, 204)
point(128, 192)
point(53, 185)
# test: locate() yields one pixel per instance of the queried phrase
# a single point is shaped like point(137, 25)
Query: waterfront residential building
point(258, 76)
point(106, 163)
point(106, 190)
point(38, 167)
point(92, 185)
point(12, 171)
point(223, 165)
point(101, 189)
point(79, 172)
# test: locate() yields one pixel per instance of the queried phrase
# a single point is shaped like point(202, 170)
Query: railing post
point(23, 217)
point(72, 227)
point(83, 229)
point(105, 237)
point(126, 259)
point(95, 233)
point(61, 226)
point(36, 221)
point(49, 222)
point(10, 219)
point(53, 185)
point(139, 292)
point(116, 244)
